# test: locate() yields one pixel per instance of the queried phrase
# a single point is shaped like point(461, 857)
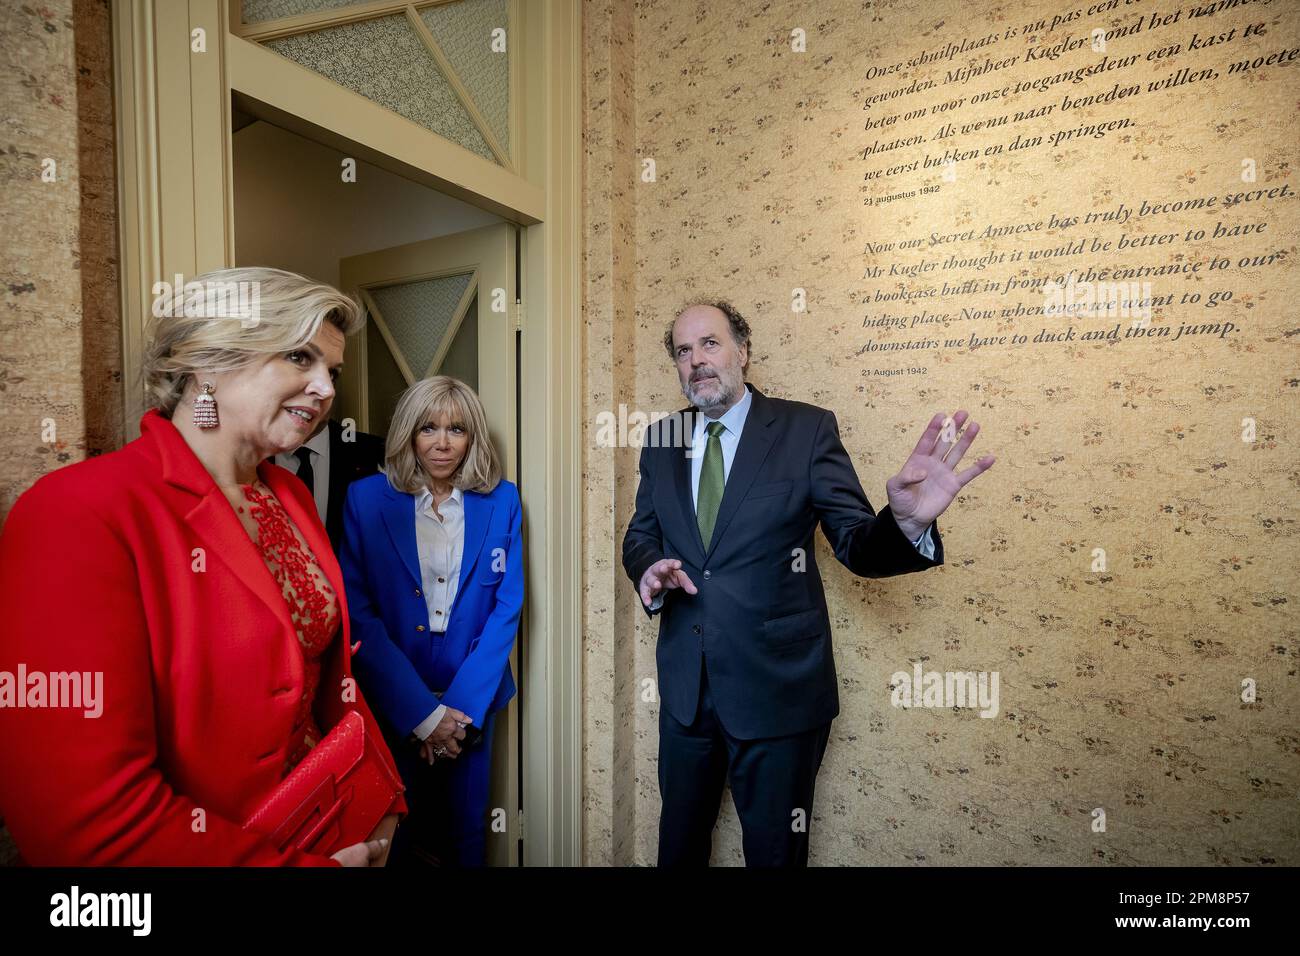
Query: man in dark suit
point(328, 462)
point(721, 545)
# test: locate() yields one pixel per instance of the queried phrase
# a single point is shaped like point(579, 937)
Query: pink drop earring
point(205, 408)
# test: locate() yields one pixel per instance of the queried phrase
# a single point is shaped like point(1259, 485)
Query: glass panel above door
point(466, 33)
point(384, 60)
point(259, 11)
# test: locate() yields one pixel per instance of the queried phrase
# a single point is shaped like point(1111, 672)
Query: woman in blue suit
point(432, 561)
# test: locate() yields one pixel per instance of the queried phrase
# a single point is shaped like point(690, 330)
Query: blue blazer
point(405, 669)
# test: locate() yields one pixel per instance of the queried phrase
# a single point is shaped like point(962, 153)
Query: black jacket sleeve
point(868, 544)
point(643, 543)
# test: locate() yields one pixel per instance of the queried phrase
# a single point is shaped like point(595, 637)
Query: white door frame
point(177, 216)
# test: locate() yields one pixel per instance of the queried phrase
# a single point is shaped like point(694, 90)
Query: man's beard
point(728, 392)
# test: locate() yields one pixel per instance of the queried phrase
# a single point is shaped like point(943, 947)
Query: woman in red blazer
point(191, 587)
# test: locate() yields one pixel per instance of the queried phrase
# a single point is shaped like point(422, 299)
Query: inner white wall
point(294, 211)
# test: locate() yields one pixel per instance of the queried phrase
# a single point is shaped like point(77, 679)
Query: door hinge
point(521, 825)
point(519, 316)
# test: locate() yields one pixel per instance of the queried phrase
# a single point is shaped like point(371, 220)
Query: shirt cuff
point(429, 723)
point(925, 543)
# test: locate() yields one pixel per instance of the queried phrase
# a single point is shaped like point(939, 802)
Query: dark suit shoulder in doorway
point(349, 461)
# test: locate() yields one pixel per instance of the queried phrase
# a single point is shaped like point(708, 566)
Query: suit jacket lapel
point(398, 509)
point(478, 514)
point(755, 442)
point(212, 518)
point(218, 527)
point(340, 471)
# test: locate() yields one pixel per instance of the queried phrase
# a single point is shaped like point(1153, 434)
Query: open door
point(447, 306)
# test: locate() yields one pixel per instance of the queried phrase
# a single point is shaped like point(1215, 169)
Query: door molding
point(174, 175)
point(551, 434)
point(176, 215)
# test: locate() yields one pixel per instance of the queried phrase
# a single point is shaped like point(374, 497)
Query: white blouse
point(441, 547)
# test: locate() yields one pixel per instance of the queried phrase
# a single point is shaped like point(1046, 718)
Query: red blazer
point(100, 570)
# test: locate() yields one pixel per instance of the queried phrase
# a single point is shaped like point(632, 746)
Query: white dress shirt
point(733, 421)
point(319, 446)
point(441, 546)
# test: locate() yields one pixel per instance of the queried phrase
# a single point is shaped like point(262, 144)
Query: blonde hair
point(207, 325)
point(427, 401)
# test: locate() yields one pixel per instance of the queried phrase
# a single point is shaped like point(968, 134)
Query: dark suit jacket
point(760, 625)
point(349, 461)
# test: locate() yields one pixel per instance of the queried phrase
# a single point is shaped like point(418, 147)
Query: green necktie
point(711, 482)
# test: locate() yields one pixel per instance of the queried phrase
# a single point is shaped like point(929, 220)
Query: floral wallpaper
point(60, 331)
point(40, 362)
point(1121, 689)
point(60, 374)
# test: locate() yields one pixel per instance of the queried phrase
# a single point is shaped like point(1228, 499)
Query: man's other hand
point(664, 575)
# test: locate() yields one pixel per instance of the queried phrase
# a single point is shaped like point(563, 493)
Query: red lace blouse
point(313, 605)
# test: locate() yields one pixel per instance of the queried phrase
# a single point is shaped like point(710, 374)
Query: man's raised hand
point(664, 575)
point(928, 482)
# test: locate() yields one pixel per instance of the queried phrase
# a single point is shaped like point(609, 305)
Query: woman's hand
point(370, 853)
point(374, 852)
point(387, 827)
point(448, 734)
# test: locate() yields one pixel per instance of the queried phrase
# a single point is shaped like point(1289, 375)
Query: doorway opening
point(437, 278)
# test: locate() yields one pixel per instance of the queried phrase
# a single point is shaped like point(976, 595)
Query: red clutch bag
point(334, 798)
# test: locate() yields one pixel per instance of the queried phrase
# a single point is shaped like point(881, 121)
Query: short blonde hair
point(192, 334)
point(427, 401)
